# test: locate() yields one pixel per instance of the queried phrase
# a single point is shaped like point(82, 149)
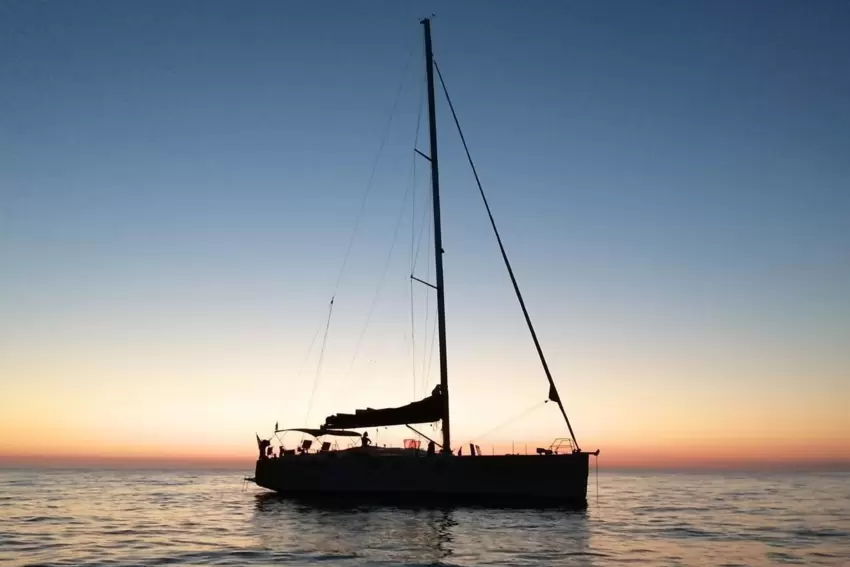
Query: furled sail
point(424, 411)
point(321, 432)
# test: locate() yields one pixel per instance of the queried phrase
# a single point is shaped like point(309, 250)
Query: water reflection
point(90, 518)
point(409, 534)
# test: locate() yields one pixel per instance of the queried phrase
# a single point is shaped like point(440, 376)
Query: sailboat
point(555, 475)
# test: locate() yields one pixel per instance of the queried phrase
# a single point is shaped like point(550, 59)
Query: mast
point(438, 238)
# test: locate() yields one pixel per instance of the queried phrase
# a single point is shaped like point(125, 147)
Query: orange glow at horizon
point(207, 417)
point(765, 454)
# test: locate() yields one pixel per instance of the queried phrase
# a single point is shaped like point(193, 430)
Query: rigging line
point(370, 183)
point(307, 354)
point(396, 239)
point(426, 214)
point(317, 377)
point(427, 370)
point(309, 350)
point(413, 240)
point(412, 337)
point(596, 459)
point(410, 284)
point(380, 282)
point(425, 351)
point(381, 344)
point(513, 419)
point(413, 201)
point(553, 390)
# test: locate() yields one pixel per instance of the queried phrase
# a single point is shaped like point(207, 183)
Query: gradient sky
point(179, 183)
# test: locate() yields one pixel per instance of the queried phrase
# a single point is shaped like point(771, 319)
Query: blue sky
point(179, 182)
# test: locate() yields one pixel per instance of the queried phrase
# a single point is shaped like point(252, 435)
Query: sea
point(137, 518)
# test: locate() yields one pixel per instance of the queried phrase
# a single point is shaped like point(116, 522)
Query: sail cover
point(424, 411)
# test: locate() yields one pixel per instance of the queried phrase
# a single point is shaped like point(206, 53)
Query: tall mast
point(438, 237)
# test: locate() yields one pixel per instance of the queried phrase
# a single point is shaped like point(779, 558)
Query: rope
point(422, 224)
point(357, 222)
point(426, 213)
point(309, 350)
point(507, 421)
point(317, 377)
point(553, 390)
point(425, 351)
point(426, 370)
point(380, 283)
point(412, 338)
point(307, 358)
point(413, 240)
point(596, 460)
point(370, 183)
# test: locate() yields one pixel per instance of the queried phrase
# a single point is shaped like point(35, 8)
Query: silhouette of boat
point(556, 475)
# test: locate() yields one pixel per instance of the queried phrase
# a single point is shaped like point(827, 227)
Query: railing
point(561, 443)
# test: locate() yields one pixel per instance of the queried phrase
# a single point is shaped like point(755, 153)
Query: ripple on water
point(126, 518)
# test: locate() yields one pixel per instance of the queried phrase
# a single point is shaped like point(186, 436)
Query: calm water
point(191, 518)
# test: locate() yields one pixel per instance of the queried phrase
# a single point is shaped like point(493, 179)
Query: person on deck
point(432, 448)
point(364, 439)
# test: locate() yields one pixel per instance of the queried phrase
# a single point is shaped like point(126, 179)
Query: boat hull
point(504, 480)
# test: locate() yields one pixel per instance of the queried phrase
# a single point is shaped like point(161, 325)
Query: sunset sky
point(179, 184)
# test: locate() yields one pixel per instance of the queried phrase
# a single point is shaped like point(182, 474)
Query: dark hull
point(498, 481)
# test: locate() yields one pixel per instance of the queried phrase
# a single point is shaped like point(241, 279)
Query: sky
point(185, 186)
